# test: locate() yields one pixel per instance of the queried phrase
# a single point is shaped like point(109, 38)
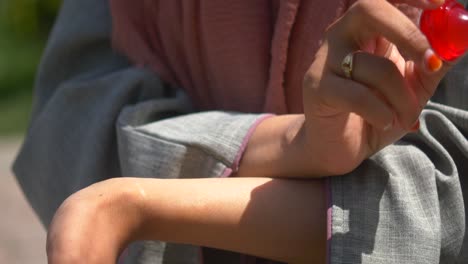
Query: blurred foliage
point(24, 26)
point(26, 17)
point(19, 57)
point(15, 114)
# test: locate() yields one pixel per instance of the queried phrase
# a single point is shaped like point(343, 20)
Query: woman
point(354, 105)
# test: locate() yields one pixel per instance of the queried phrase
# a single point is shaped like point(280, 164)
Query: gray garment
point(95, 117)
point(405, 204)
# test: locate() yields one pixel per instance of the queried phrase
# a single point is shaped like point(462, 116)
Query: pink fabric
point(235, 166)
point(247, 56)
point(329, 218)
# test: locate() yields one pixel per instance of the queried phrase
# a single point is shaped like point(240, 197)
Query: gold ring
point(347, 65)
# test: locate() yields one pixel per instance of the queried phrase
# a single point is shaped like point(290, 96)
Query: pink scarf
point(248, 56)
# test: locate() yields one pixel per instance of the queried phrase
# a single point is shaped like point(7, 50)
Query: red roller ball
point(446, 28)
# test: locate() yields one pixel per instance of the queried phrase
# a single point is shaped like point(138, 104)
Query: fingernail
point(415, 127)
point(433, 62)
point(437, 2)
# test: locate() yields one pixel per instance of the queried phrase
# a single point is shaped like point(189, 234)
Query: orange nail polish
point(433, 62)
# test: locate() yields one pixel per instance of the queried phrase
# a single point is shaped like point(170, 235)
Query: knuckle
point(311, 87)
point(314, 74)
point(360, 17)
point(311, 81)
point(362, 8)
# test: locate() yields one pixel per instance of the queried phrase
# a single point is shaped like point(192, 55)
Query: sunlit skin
point(255, 212)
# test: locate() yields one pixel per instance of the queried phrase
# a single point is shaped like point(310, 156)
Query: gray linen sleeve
point(95, 116)
point(406, 204)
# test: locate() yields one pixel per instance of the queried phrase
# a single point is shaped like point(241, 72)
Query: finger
point(421, 84)
point(349, 96)
point(423, 4)
point(382, 75)
point(369, 19)
point(388, 50)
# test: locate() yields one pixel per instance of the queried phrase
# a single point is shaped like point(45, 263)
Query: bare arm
point(283, 220)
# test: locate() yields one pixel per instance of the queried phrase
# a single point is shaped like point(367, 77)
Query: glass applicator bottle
point(446, 28)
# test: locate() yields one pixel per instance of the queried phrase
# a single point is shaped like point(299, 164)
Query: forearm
point(283, 220)
point(278, 219)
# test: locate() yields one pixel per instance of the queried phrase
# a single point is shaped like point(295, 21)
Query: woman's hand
point(93, 225)
point(347, 119)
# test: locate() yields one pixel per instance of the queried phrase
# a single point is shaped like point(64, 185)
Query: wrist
point(92, 226)
point(278, 148)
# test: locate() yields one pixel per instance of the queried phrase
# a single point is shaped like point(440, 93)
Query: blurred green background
point(24, 27)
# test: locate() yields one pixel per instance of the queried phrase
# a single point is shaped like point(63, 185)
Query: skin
point(360, 116)
point(275, 218)
point(250, 215)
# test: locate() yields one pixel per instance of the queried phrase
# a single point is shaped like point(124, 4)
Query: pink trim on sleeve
point(235, 166)
point(329, 217)
point(122, 257)
point(200, 255)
